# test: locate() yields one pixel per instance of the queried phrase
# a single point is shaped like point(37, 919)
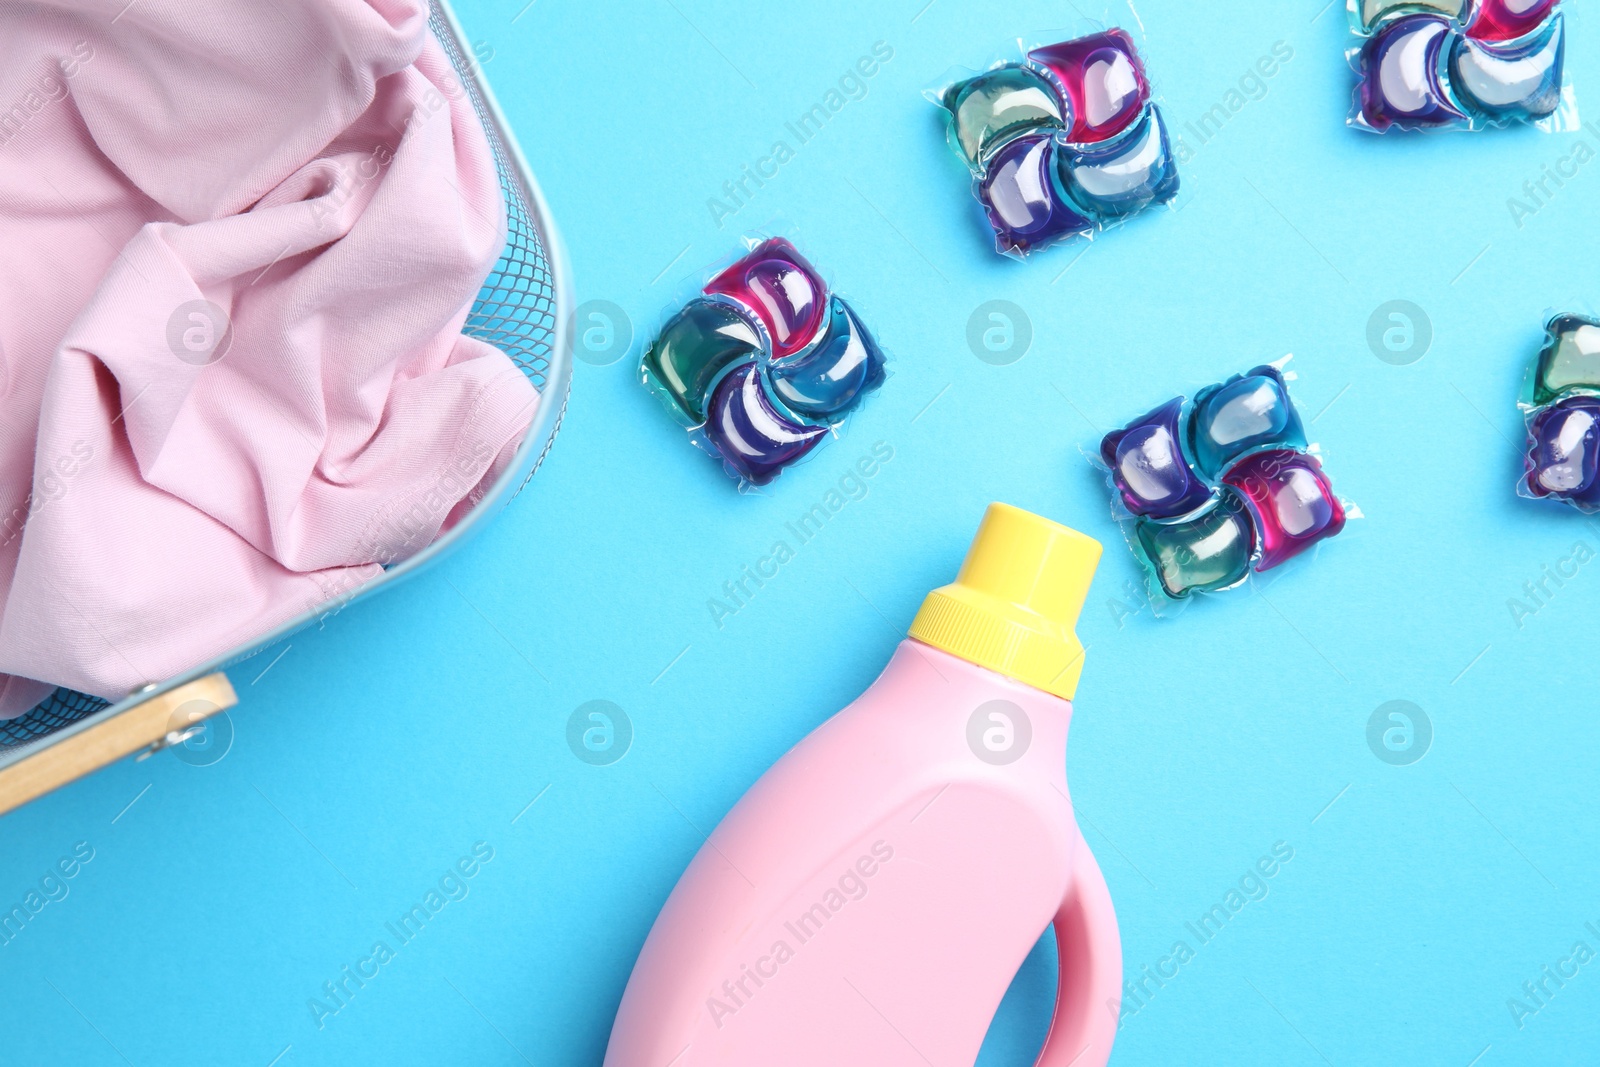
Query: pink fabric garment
point(237, 244)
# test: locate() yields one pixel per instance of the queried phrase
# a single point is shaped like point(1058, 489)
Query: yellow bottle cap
point(1014, 604)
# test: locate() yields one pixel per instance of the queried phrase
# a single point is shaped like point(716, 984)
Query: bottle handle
point(1089, 955)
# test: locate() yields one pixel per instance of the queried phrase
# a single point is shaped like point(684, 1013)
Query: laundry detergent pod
point(1065, 143)
point(763, 363)
point(1210, 492)
point(1452, 64)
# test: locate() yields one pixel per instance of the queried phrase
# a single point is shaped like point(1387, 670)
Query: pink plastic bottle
point(868, 901)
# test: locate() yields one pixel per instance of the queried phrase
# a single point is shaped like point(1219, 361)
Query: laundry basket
point(524, 309)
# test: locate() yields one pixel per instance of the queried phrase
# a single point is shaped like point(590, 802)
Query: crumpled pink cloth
point(238, 241)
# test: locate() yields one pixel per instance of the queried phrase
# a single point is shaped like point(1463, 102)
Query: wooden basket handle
point(162, 720)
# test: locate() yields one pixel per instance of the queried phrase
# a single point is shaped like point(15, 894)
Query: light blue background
point(374, 753)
